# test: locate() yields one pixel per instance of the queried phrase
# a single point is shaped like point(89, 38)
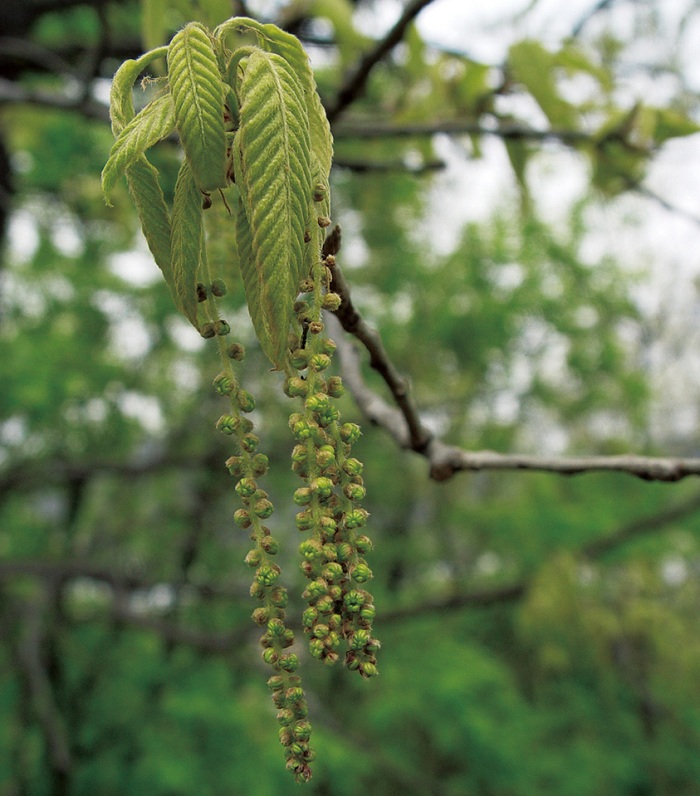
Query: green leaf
point(197, 92)
point(533, 65)
point(274, 40)
point(155, 122)
point(274, 178)
point(121, 99)
point(672, 124)
point(187, 237)
point(145, 190)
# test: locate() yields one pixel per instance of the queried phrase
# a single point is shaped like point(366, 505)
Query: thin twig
point(504, 594)
point(405, 425)
point(355, 84)
point(372, 128)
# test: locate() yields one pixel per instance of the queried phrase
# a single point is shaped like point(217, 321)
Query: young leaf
point(152, 124)
point(145, 190)
point(274, 40)
point(274, 179)
point(187, 231)
point(198, 97)
point(121, 101)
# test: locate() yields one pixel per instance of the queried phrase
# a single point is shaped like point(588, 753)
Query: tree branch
point(43, 700)
point(504, 594)
point(371, 128)
point(406, 427)
point(354, 85)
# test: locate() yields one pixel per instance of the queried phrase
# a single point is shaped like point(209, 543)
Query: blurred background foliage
point(540, 634)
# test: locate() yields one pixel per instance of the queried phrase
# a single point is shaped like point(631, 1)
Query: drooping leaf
point(121, 100)
point(155, 122)
point(274, 40)
point(187, 231)
point(274, 179)
point(145, 190)
point(141, 176)
point(197, 92)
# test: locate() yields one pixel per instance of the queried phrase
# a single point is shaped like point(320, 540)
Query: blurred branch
point(369, 167)
point(500, 595)
point(43, 700)
point(12, 93)
point(601, 5)
point(354, 85)
point(641, 527)
point(370, 128)
point(216, 643)
point(406, 427)
point(63, 571)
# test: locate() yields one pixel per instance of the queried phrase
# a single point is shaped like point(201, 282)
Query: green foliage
point(119, 557)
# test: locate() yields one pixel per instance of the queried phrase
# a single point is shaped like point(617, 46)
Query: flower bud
point(325, 604)
point(267, 575)
point(299, 358)
point(235, 465)
point(270, 656)
point(242, 518)
point(253, 558)
point(369, 669)
point(236, 352)
point(285, 717)
point(304, 520)
point(245, 401)
point(321, 486)
point(270, 545)
point(218, 287)
point(223, 384)
point(315, 327)
point(279, 597)
point(350, 432)
point(309, 617)
point(246, 487)
point(324, 221)
point(354, 492)
point(261, 616)
point(368, 612)
point(319, 192)
point(302, 731)
point(363, 544)
point(250, 442)
point(302, 496)
point(316, 648)
point(316, 589)
point(221, 328)
point(356, 518)
point(259, 464)
point(276, 682)
point(335, 387)
point(227, 424)
point(319, 362)
point(332, 572)
point(296, 387)
point(263, 508)
point(331, 301)
point(361, 573)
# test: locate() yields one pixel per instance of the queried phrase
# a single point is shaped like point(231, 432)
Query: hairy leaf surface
point(121, 101)
point(187, 231)
point(197, 92)
point(155, 122)
point(145, 190)
point(275, 183)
